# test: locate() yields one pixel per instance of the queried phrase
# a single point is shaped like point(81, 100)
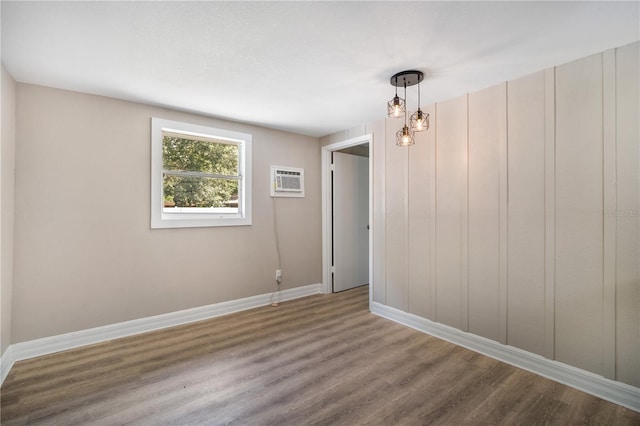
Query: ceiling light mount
point(407, 78)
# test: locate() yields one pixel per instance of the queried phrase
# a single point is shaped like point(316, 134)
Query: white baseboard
point(6, 362)
point(63, 342)
point(610, 390)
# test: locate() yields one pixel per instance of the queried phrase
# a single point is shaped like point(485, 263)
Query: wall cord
point(277, 243)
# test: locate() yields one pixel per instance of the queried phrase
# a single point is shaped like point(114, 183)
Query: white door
point(350, 221)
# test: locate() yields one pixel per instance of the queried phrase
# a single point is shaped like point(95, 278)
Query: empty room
point(320, 212)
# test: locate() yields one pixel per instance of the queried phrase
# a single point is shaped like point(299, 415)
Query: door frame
point(327, 201)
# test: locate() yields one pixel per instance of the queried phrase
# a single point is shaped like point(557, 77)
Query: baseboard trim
point(610, 390)
point(6, 362)
point(63, 342)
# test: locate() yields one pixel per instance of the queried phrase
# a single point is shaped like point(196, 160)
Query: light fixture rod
point(405, 96)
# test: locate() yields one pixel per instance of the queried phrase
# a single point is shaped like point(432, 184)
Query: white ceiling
point(307, 67)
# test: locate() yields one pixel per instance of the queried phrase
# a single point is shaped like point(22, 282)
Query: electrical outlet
point(278, 275)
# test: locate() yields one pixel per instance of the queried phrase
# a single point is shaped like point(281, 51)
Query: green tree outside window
point(199, 173)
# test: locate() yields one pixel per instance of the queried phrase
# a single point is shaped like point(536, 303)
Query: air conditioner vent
point(287, 182)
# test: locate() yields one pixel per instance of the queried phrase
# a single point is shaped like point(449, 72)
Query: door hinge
point(333, 167)
point(333, 269)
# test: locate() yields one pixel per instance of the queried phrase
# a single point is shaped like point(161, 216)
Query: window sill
point(188, 221)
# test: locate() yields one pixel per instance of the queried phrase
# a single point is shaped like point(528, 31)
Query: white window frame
point(188, 218)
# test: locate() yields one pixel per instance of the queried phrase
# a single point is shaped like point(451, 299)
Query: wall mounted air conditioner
point(287, 181)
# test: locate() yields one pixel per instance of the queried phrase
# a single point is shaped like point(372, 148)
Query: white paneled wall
point(627, 222)
point(397, 201)
point(516, 217)
point(421, 168)
point(451, 214)
point(487, 153)
point(526, 213)
point(377, 129)
point(579, 214)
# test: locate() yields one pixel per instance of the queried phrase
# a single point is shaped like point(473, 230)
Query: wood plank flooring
point(320, 360)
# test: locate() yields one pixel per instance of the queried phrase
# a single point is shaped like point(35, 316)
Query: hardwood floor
point(319, 360)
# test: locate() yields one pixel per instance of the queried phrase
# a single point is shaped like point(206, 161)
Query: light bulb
point(396, 106)
point(404, 137)
point(419, 121)
point(405, 134)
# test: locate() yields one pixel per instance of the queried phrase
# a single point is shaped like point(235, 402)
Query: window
point(200, 176)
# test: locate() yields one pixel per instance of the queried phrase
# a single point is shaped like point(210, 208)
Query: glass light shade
point(419, 121)
point(395, 107)
point(404, 137)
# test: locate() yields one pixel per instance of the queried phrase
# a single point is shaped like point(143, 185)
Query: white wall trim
point(6, 362)
point(327, 242)
point(610, 390)
point(63, 342)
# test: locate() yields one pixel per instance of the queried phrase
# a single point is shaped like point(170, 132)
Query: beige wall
point(7, 182)
point(85, 255)
point(515, 217)
point(347, 134)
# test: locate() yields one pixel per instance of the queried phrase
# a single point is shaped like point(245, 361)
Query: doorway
point(347, 250)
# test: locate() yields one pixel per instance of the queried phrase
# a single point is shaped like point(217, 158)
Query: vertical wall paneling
point(484, 171)
point(609, 220)
point(377, 129)
point(526, 213)
point(579, 214)
point(465, 229)
point(549, 211)
point(419, 221)
point(396, 223)
point(627, 215)
point(503, 221)
point(519, 214)
point(433, 110)
point(451, 206)
point(405, 211)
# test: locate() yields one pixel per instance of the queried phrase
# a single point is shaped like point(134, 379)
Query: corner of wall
point(7, 184)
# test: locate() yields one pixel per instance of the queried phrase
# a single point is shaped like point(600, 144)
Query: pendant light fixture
point(395, 107)
point(419, 120)
point(404, 136)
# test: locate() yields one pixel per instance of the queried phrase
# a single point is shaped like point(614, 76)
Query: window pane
point(186, 191)
point(199, 156)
